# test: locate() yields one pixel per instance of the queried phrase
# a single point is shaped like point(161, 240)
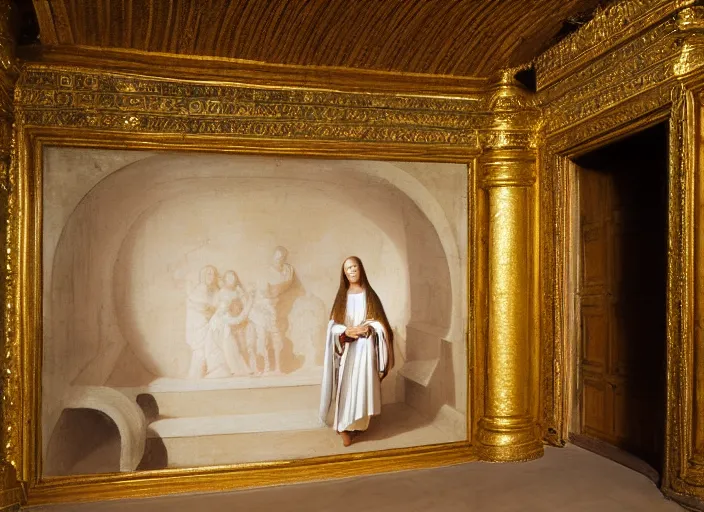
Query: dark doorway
point(622, 190)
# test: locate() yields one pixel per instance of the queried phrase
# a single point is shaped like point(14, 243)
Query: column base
point(508, 439)
point(10, 490)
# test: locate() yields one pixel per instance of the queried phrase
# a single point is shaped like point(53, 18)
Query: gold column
point(507, 429)
point(10, 491)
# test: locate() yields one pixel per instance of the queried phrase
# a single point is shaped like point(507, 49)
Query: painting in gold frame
point(187, 299)
point(45, 488)
point(114, 111)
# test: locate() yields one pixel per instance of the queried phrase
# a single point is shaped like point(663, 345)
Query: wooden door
point(622, 305)
point(596, 314)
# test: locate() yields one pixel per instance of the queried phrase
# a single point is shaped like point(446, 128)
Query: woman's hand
point(356, 332)
point(351, 332)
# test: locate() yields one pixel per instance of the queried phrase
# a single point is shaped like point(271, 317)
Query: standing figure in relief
point(200, 306)
point(358, 354)
point(264, 313)
point(225, 339)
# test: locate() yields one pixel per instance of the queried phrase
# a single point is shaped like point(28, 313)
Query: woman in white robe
point(225, 339)
point(200, 306)
point(358, 354)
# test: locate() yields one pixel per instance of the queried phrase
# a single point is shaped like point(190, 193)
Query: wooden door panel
point(594, 258)
point(594, 407)
point(594, 335)
point(594, 196)
point(622, 425)
point(618, 352)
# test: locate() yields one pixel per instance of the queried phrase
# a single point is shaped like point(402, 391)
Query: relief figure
point(226, 330)
point(266, 331)
point(200, 306)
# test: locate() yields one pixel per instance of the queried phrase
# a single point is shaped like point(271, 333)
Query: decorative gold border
point(653, 77)
point(608, 29)
point(87, 108)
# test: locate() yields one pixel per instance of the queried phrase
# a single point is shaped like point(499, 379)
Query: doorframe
point(573, 337)
point(561, 194)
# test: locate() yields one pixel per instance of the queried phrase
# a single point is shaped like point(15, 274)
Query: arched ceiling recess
point(462, 38)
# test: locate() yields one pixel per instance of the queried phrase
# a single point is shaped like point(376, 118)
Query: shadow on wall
point(430, 376)
point(290, 360)
point(155, 453)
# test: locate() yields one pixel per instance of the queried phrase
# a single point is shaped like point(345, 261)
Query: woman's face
point(230, 279)
point(352, 270)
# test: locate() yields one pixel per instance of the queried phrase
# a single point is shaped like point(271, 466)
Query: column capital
point(509, 143)
point(508, 168)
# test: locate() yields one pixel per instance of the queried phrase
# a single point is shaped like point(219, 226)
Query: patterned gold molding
point(630, 70)
point(111, 101)
point(197, 67)
point(610, 27)
point(10, 492)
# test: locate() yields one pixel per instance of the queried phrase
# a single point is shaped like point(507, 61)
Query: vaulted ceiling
point(444, 37)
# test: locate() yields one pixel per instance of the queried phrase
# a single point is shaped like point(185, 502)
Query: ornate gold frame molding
point(633, 66)
point(168, 66)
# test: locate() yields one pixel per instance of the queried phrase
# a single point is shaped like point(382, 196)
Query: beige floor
point(567, 479)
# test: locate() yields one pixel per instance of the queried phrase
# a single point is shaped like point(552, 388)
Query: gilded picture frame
point(116, 111)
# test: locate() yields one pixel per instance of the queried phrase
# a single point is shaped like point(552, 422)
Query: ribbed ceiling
point(445, 37)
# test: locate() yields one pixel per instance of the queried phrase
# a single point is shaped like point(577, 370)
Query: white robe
point(351, 385)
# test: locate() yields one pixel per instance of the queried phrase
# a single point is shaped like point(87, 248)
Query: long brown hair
point(375, 311)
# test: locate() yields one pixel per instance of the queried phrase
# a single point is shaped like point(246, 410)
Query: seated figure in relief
point(225, 339)
point(264, 314)
point(200, 306)
point(358, 354)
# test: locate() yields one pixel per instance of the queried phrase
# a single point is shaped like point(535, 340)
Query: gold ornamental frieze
point(123, 103)
point(610, 27)
point(631, 70)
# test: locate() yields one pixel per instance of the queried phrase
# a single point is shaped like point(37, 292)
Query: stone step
point(230, 402)
point(420, 371)
point(180, 398)
point(235, 424)
point(399, 426)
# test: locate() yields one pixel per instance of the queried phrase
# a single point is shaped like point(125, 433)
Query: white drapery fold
point(351, 387)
